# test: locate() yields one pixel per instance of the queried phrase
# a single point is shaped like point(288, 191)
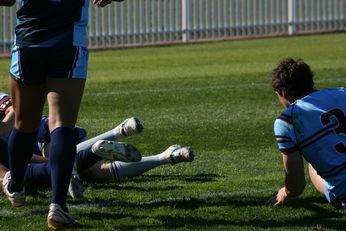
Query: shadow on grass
point(120, 188)
point(238, 209)
point(201, 178)
point(198, 178)
point(243, 207)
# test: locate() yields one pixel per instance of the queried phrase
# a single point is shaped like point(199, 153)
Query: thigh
point(66, 76)
point(28, 73)
point(28, 102)
point(64, 97)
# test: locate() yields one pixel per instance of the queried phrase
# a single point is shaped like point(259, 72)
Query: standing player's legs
point(28, 97)
point(64, 97)
point(67, 70)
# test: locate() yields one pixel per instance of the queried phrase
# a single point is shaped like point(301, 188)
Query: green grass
point(216, 98)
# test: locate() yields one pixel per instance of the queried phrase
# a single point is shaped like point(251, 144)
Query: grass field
point(216, 98)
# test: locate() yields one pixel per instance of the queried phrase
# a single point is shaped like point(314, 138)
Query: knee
point(27, 126)
point(54, 124)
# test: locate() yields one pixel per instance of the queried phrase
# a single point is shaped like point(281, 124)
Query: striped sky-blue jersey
point(316, 127)
point(46, 23)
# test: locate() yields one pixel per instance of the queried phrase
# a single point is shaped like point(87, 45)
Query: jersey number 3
point(341, 118)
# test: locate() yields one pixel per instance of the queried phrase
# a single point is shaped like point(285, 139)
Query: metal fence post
point(185, 20)
point(291, 16)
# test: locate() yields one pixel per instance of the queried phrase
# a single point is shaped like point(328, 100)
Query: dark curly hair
point(294, 77)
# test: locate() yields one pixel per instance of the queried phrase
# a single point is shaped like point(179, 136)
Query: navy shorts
point(33, 65)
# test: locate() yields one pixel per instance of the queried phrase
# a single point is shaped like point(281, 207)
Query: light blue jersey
point(47, 23)
point(316, 127)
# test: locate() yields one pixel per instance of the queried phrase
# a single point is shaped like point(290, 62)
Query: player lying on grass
point(312, 127)
point(91, 153)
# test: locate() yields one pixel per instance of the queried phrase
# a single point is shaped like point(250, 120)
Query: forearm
point(294, 186)
point(294, 179)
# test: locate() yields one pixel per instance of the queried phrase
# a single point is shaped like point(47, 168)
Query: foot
point(129, 127)
point(111, 150)
point(176, 154)
point(58, 219)
point(75, 188)
point(17, 199)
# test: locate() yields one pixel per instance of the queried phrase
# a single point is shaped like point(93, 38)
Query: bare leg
point(28, 101)
point(99, 172)
point(316, 180)
point(64, 97)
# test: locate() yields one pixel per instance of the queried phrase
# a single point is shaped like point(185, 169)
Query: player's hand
point(103, 3)
point(278, 197)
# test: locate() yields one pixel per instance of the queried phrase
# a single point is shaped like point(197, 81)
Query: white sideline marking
point(203, 196)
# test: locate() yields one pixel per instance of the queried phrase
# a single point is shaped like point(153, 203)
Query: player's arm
point(7, 2)
point(294, 178)
point(7, 124)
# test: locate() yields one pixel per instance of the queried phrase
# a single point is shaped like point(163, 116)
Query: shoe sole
point(118, 151)
point(55, 225)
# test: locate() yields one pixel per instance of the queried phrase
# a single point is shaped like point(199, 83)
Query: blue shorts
point(33, 65)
